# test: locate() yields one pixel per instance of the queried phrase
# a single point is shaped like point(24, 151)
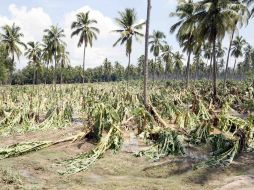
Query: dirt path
point(120, 171)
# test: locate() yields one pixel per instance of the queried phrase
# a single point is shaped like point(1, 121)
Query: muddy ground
point(120, 171)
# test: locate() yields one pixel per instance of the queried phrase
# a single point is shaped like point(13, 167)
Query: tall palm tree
point(33, 53)
point(146, 51)
point(54, 36)
point(84, 27)
point(129, 28)
point(186, 28)
point(215, 18)
point(237, 49)
point(240, 19)
point(11, 38)
point(157, 43)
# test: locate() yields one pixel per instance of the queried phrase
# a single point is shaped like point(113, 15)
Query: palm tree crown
point(83, 27)
point(11, 38)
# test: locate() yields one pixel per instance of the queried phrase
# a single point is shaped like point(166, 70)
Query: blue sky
point(35, 15)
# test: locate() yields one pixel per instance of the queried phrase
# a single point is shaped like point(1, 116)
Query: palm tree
point(178, 62)
point(157, 45)
point(186, 28)
point(241, 18)
point(63, 59)
point(129, 28)
point(215, 18)
point(146, 52)
point(11, 39)
point(237, 49)
point(207, 49)
point(54, 36)
point(167, 56)
point(84, 27)
point(33, 53)
point(46, 56)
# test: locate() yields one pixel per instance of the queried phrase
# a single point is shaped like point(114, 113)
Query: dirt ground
point(121, 171)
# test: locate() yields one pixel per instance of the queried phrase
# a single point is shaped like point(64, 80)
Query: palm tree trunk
point(129, 63)
point(146, 52)
point(188, 70)
point(61, 75)
point(55, 77)
point(234, 67)
point(210, 68)
point(226, 71)
point(197, 71)
point(214, 70)
point(84, 60)
point(34, 75)
point(154, 68)
point(46, 76)
point(11, 72)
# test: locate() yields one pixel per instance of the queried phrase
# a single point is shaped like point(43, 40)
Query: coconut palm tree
point(214, 19)
point(146, 51)
point(240, 19)
point(11, 39)
point(33, 53)
point(84, 27)
point(186, 27)
point(54, 37)
point(157, 43)
point(129, 28)
point(237, 49)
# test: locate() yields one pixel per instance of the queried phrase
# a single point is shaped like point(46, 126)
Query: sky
point(33, 16)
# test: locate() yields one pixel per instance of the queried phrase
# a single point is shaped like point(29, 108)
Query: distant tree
point(11, 38)
point(237, 49)
point(84, 26)
point(63, 59)
point(129, 28)
point(157, 43)
point(178, 62)
point(54, 37)
point(186, 28)
point(33, 53)
point(214, 19)
point(107, 69)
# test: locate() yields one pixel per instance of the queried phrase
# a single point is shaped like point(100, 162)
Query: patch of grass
point(9, 177)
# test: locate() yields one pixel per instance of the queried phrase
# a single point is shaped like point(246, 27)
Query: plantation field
point(100, 136)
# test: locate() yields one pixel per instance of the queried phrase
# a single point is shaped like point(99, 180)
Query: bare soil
point(121, 171)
